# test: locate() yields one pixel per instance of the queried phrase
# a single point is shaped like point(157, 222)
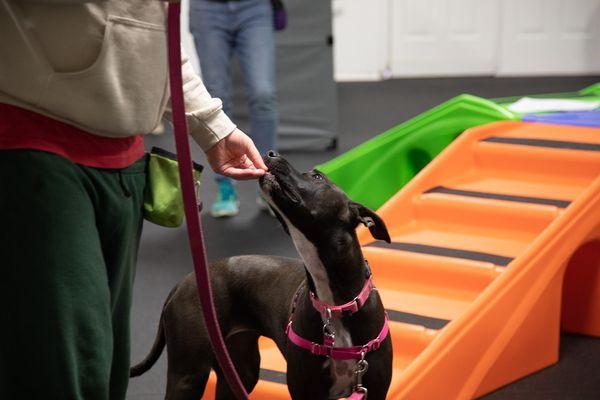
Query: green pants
point(69, 237)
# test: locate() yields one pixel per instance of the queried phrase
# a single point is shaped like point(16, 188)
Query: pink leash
point(194, 228)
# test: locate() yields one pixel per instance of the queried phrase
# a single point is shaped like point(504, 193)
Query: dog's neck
point(334, 263)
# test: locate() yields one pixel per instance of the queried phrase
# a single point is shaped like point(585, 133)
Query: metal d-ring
point(361, 367)
point(362, 390)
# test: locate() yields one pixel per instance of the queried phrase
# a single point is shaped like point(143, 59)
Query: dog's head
point(312, 204)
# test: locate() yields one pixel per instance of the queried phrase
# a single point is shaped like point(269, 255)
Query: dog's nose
point(272, 154)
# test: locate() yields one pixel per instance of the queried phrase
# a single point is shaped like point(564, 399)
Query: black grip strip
point(555, 144)
point(415, 319)
point(445, 252)
point(498, 196)
point(272, 376)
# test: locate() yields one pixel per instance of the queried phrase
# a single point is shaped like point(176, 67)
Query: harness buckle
point(355, 306)
point(319, 350)
point(315, 349)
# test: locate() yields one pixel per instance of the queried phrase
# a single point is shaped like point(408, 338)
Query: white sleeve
point(206, 120)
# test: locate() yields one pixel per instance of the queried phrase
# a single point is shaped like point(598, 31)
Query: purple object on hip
point(279, 15)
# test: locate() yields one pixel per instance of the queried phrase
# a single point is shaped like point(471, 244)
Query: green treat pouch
point(163, 203)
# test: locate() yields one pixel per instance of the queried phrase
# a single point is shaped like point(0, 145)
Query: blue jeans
point(244, 29)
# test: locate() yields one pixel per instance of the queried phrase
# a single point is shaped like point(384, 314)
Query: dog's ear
point(371, 220)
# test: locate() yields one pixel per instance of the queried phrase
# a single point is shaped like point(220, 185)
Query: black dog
point(254, 296)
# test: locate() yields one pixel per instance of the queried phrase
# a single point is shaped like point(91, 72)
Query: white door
point(444, 37)
point(549, 37)
point(360, 37)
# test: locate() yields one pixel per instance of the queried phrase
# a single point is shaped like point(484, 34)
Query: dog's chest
point(341, 371)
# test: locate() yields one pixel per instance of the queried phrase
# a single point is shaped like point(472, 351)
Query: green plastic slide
point(374, 171)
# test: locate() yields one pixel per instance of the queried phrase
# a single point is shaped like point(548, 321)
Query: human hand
point(236, 156)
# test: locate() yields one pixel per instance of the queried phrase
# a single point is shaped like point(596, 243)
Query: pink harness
point(327, 347)
point(337, 353)
point(350, 307)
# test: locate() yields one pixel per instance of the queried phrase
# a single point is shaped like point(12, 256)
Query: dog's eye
point(318, 176)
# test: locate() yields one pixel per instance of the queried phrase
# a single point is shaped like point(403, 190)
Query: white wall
point(550, 37)
point(410, 38)
point(443, 37)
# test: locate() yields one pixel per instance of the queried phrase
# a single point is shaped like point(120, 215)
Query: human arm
point(229, 151)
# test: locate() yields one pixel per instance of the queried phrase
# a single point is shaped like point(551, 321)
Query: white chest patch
point(342, 371)
point(313, 263)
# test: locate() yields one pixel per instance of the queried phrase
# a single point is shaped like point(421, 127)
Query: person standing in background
point(244, 28)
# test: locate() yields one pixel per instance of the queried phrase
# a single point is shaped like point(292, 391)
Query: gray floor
point(366, 109)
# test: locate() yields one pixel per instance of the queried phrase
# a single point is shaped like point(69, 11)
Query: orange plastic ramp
point(491, 241)
point(497, 237)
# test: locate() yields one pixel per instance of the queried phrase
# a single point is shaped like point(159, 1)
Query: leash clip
point(361, 368)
